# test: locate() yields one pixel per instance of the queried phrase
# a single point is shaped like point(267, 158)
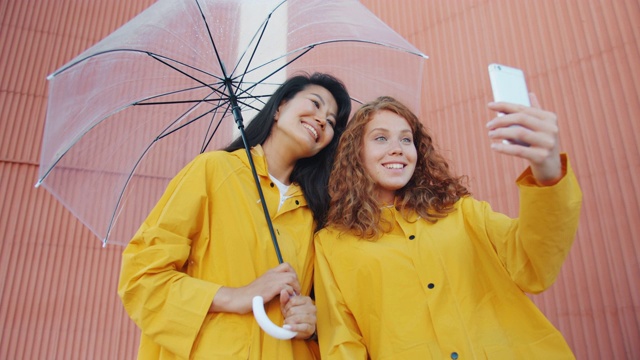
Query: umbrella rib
point(365, 42)
point(145, 102)
point(184, 73)
point(208, 139)
point(311, 46)
point(149, 53)
point(215, 49)
point(243, 91)
point(248, 105)
point(120, 197)
point(237, 83)
point(53, 165)
point(206, 99)
point(263, 27)
point(162, 135)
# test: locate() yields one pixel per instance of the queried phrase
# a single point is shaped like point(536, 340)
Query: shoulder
point(213, 156)
point(468, 203)
point(326, 232)
point(329, 235)
point(470, 209)
point(213, 167)
point(217, 158)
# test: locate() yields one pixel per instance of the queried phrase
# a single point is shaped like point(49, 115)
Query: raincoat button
point(297, 202)
point(431, 286)
point(412, 237)
point(271, 185)
point(454, 355)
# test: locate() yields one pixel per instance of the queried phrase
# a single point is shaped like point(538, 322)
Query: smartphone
point(509, 85)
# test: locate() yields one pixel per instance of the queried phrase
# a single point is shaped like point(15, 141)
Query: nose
point(321, 121)
point(395, 148)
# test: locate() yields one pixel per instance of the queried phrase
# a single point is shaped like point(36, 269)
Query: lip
point(397, 165)
point(315, 133)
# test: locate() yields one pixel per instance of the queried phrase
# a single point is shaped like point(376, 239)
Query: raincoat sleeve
point(167, 305)
point(534, 246)
point(339, 337)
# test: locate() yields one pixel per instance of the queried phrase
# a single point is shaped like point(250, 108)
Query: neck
point(279, 161)
point(385, 199)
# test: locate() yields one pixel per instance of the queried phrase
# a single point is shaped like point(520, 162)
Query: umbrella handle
point(266, 324)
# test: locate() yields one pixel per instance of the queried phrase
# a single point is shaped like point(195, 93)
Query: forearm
point(548, 224)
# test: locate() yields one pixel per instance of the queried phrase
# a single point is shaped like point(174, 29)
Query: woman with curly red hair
point(411, 266)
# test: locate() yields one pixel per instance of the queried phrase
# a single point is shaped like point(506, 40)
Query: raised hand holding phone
point(512, 100)
point(508, 84)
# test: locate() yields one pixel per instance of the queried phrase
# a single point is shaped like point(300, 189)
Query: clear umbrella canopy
point(127, 114)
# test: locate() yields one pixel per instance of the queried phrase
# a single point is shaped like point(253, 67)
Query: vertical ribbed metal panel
point(57, 286)
point(582, 60)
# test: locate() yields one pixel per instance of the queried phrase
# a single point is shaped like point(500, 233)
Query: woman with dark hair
point(311, 173)
point(192, 269)
point(410, 266)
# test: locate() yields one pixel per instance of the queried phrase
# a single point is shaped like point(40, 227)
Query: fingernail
point(288, 327)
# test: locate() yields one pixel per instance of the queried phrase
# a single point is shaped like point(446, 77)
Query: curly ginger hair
point(432, 191)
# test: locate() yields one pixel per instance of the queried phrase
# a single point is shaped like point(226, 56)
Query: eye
point(380, 138)
point(407, 140)
point(316, 103)
point(331, 123)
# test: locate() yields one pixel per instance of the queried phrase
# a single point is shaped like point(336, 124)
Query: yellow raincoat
point(450, 290)
point(207, 231)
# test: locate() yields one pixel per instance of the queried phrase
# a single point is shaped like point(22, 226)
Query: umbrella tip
point(38, 183)
point(104, 243)
point(50, 77)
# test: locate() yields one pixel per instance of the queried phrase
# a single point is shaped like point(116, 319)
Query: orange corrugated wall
point(58, 286)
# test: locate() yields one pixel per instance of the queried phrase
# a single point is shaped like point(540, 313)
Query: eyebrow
point(319, 98)
point(387, 130)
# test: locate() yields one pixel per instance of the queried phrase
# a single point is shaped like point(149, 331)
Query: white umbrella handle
point(266, 324)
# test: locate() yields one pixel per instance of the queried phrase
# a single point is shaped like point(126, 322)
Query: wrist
point(225, 301)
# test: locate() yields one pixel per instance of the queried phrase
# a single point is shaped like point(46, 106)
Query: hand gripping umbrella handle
point(266, 324)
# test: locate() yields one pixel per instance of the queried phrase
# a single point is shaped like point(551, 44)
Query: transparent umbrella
point(180, 78)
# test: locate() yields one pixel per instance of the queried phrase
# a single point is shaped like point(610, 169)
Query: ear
point(276, 116)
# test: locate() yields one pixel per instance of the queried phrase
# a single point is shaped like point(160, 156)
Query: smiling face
point(306, 122)
point(388, 154)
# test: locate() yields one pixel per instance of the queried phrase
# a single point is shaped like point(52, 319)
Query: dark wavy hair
point(432, 191)
point(312, 174)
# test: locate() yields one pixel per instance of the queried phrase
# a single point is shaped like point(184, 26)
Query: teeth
point(394, 166)
point(313, 131)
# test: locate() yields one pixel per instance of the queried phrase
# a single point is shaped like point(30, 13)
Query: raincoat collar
point(260, 162)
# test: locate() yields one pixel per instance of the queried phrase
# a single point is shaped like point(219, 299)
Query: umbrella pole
point(257, 303)
point(237, 116)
